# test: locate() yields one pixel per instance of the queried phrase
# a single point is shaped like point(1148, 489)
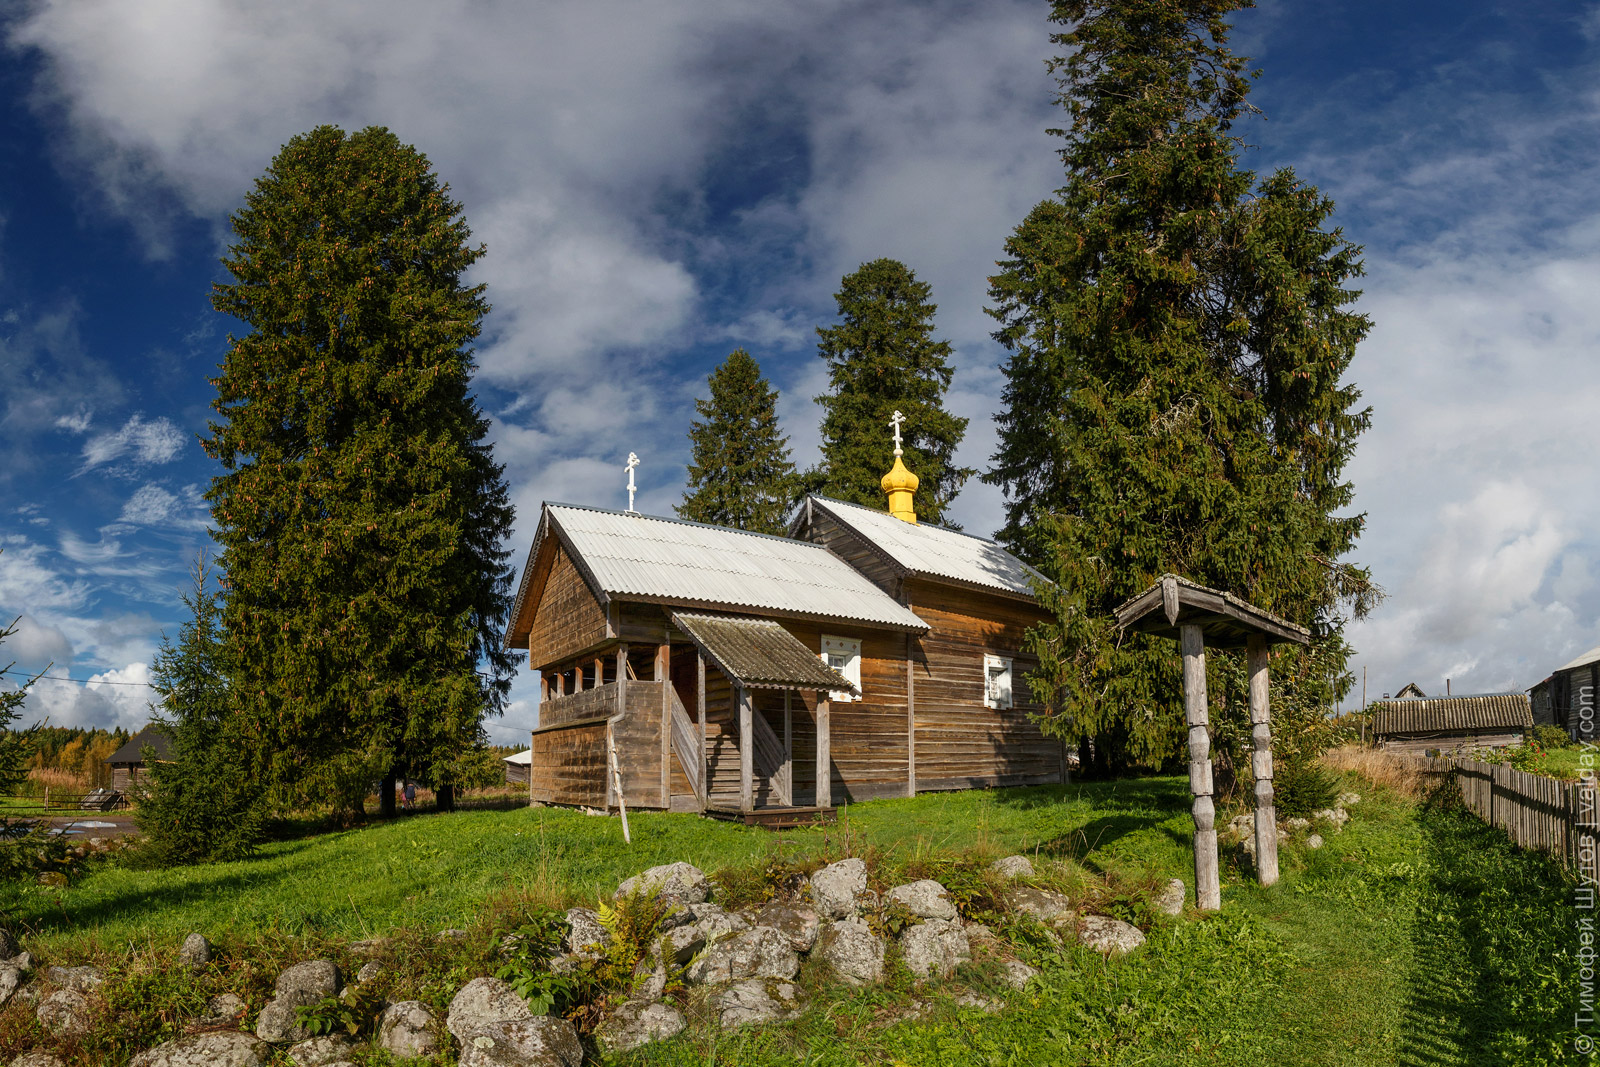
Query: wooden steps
point(776, 818)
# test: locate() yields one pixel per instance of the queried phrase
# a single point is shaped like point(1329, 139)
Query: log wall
point(570, 619)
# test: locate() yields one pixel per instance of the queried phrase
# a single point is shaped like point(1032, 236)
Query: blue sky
point(660, 183)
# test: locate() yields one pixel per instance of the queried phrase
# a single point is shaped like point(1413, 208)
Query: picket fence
point(1560, 818)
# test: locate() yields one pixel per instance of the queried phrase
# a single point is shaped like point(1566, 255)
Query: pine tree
point(1173, 400)
point(740, 474)
point(199, 804)
point(882, 357)
point(361, 514)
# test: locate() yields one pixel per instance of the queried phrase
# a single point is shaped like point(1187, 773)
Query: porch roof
point(758, 653)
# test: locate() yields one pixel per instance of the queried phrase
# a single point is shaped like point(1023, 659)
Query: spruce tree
point(882, 357)
point(740, 474)
point(1178, 335)
point(199, 804)
point(361, 514)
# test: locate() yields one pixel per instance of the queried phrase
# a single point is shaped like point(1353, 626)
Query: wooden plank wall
point(1450, 743)
point(867, 736)
point(569, 766)
point(638, 737)
point(568, 618)
point(589, 704)
point(960, 743)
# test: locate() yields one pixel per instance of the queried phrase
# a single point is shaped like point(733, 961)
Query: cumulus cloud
point(141, 442)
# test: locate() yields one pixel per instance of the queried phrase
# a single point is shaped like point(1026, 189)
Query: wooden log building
point(1567, 697)
point(1449, 725)
point(128, 764)
point(866, 655)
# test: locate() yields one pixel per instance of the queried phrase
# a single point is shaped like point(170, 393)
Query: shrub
point(1302, 786)
point(1549, 737)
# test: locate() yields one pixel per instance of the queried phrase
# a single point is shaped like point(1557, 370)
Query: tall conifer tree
point(1173, 401)
point(361, 514)
point(882, 357)
point(740, 474)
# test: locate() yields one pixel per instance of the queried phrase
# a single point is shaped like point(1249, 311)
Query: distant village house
point(1450, 725)
point(128, 762)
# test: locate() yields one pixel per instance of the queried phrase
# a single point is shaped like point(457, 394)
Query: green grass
point(1417, 936)
point(1568, 762)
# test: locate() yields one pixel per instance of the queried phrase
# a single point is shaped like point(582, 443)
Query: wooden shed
point(517, 767)
point(127, 763)
point(735, 672)
point(1417, 726)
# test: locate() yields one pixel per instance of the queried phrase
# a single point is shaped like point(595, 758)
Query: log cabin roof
point(1584, 660)
point(759, 653)
point(627, 556)
point(1226, 620)
point(133, 752)
point(1437, 714)
point(927, 551)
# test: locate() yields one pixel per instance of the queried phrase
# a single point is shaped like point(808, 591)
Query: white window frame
point(991, 699)
point(847, 649)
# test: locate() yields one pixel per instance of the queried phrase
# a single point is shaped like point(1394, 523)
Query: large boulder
point(83, 979)
point(584, 932)
point(408, 1029)
point(1109, 936)
point(839, 888)
point(222, 1048)
point(755, 1001)
point(1043, 904)
point(533, 1042)
point(484, 1002)
point(1011, 867)
point(679, 883)
point(325, 1051)
point(636, 1023)
point(195, 952)
point(1017, 974)
point(926, 899)
point(796, 922)
point(935, 948)
point(1168, 900)
point(300, 986)
point(65, 1013)
point(852, 950)
point(759, 953)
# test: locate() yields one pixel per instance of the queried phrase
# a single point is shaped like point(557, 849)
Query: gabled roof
point(1435, 714)
point(759, 653)
point(1410, 689)
point(627, 556)
point(133, 752)
point(520, 759)
point(1582, 661)
point(1226, 620)
point(926, 551)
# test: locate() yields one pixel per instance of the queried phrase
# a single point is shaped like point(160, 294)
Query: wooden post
point(616, 783)
point(788, 739)
point(1207, 883)
point(741, 696)
point(700, 710)
point(622, 678)
point(561, 683)
point(911, 722)
point(664, 676)
point(824, 753)
point(1261, 760)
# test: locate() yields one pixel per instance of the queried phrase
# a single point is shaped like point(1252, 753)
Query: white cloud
point(77, 422)
point(152, 505)
point(111, 698)
point(144, 443)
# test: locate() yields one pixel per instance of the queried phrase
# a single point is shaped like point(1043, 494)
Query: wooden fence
point(1560, 818)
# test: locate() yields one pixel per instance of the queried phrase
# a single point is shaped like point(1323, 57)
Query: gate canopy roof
point(1226, 621)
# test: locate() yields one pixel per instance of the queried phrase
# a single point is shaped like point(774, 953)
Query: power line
point(74, 681)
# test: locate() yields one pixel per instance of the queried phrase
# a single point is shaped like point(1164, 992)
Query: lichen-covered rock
point(1109, 936)
point(22, 961)
point(759, 953)
point(1043, 904)
point(853, 951)
point(1017, 974)
point(1315, 841)
point(369, 971)
point(408, 1029)
point(679, 883)
point(935, 948)
point(838, 888)
point(1296, 824)
point(977, 932)
point(539, 1041)
point(650, 978)
point(10, 979)
point(584, 932)
point(712, 922)
point(83, 979)
point(1336, 816)
point(196, 951)
point(222, 1008)
point(976, 1002)
point(755, 1001)
point(796, 922)
point(223, 1048)
point(1168, 900)
point(38, 1058)
point(322, 1051)
point(483, 1002)
point(369, 948)
point(1347, 799)
point(926, 899)
point(638, 1022)
point(1011, 867)
point(300, 986)
point(65, 1013)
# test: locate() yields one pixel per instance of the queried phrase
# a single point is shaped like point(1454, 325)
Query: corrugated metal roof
point(688, 563)
point(1434, 714)
point(1583, 660)
point(935, 552)
point(521, 759)
point(759, 652)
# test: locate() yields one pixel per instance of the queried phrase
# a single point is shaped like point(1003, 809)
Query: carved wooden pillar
point(1207, 883)
point(1261, 761)
point(700, 711)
